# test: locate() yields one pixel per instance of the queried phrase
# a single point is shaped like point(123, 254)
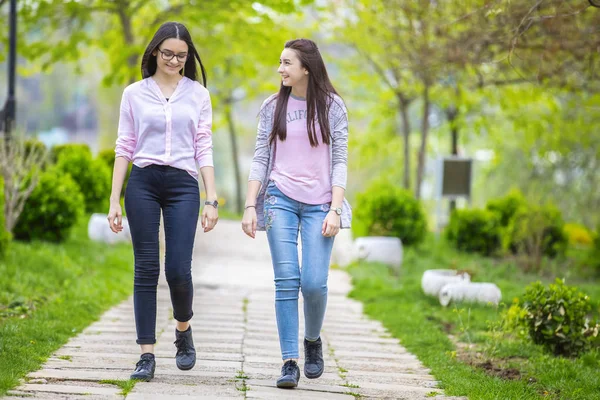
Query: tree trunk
point(423, 147)
point(403, 103)
point(234, 155)
point(125, 19)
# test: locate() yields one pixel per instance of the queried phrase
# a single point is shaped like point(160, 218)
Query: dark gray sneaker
point(290, 375)
point(186, 353)
point(313, 359)
point(144, 369)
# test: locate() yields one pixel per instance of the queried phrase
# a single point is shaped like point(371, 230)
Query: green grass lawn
point(51, 292)
point(459, 343)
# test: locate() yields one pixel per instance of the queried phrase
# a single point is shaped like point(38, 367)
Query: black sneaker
point(186, 354)
point(313, 359)
point(144, 369)
point(290, 375)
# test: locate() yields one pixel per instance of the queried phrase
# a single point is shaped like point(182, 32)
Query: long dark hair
point(172, 30)
point(319, 94)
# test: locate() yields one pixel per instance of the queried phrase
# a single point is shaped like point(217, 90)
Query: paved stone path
point(236, 340)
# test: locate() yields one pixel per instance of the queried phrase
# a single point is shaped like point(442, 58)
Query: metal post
point(9, 110)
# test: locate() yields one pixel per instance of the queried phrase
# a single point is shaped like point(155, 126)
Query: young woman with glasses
point(165, 131)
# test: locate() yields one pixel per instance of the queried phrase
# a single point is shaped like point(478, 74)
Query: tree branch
point(176, 9)
point(380, 71)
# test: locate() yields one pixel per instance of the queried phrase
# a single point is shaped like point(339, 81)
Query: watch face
point(338, 211)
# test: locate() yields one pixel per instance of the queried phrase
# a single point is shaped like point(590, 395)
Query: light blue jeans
point(284, 218)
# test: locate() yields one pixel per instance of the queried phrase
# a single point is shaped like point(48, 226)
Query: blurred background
point(511, 85)
point(474, 143)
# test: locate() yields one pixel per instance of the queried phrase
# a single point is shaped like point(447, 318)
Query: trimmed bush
point(556, 317)
point(537, 231)
point(387, 210)
point(91, 175)
point(78, 148)
point(578, 235)
point(4, 235)
point(35, 145)
point(507, 206)
point(593, 258)
point(108, 158)
point(52, 208)
point(475, 231)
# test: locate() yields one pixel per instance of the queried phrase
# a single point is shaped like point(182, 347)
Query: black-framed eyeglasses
point(168, 55)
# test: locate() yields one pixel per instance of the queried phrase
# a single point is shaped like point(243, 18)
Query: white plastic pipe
point(480, 292)
point(433, 280)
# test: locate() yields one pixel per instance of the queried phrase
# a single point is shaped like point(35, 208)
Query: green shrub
point(507, 206)
point(536, 231)
point(593, 258)
point(556, 317)
point(475, 231)
point(37, 146)
point(91, 175)
point(578, 235)
point(108, 158)
point(386, 210)
point(78, 148)
point(4, 234)
point(52, 208)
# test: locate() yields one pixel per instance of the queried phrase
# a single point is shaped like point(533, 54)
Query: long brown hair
point(319, 94)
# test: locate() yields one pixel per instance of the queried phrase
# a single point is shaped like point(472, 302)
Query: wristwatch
point(215, 203)
point(337, 210)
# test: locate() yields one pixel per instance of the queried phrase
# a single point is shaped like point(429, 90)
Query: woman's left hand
point(210, 216)
point(331, 224)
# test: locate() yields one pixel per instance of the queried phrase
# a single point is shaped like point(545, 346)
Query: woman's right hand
point(249, 222)
point(115, 217)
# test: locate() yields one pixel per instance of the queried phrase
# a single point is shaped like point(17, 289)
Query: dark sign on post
point(456, 177)
point(454, 181)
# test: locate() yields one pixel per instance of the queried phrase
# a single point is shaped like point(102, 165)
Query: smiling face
point(171, 56)
point(291, 70)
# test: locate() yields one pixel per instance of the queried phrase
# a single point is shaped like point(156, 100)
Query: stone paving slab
point(235, 334)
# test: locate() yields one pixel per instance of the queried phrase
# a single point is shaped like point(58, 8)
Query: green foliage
point(536, 231)
point(476, 231)
point(578, 235)
point(507, 206)
point(594, 253)
point(557, 318)
point(5, 236)
point(431, 332)
point(69, 148)
point(91, 175)
point(52, 208)
point(33, 145)
point(386, 210)
point(53, 292)
point(107, 157)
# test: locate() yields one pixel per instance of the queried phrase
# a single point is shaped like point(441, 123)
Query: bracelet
point(247, 207)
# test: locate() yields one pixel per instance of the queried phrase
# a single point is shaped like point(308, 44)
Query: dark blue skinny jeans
point(176, 193)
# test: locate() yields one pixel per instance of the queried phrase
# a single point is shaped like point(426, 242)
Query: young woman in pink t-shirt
point(165, 131)
point(297, 184)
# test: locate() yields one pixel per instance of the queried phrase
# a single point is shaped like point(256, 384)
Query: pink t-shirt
point(300, 171)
